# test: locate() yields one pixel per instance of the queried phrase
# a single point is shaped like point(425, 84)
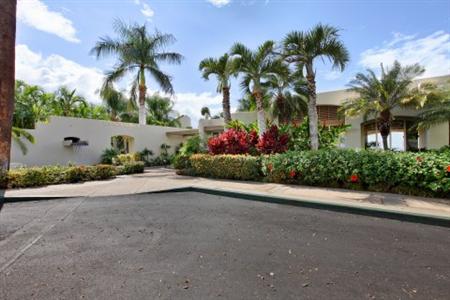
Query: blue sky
point(54, 38)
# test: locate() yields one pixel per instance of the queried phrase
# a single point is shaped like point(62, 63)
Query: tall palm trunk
point(7, 60)
point(281, 105)
point(384, 127)
point(260, 112)
point(226, 104)
point(312, 109)
point(142, 91)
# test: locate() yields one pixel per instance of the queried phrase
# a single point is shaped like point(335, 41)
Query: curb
point(386, 213)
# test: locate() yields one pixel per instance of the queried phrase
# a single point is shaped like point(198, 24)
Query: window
point(329, 116)
point(401, 138)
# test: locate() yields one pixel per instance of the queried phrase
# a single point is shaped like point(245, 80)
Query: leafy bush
point(426, 174)
point(299, 136)
point(3, 179)
point(233, 141)
point(39, 176)
point(243, 167)
point(272, 141)
point(108, 155)
point(122, 159)
point(192, 145)
point(130, 168)
point(182, 162)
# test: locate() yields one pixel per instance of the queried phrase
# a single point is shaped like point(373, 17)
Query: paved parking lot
point(196, 246)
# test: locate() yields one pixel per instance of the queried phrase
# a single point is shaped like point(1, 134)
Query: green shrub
point(243, 167)
point(193, 145)
point(39, 176)
point(182, 162)
point(123, 159)
point(383, 171)
point(108, 155)
point(130, 168)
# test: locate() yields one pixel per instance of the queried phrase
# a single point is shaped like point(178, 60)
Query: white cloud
point(53, 71)
point(332, 75)
point(146, 10)
point(36, 14)
point(219, 3)
point(432, 52)
point(191, 103)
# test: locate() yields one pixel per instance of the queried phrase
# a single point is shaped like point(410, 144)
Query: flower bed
point(40, 176)
point(424, 174)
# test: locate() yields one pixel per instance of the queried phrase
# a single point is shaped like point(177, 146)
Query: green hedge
point(47, 175)
point(130, 168)
point(242, 167)
point(39, 176)
point(423, 173)
point(382, 171)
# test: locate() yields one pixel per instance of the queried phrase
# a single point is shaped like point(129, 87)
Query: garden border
point(386, 213)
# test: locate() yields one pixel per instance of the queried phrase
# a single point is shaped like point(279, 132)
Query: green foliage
point(403, 172)
point(192, 145)
point(108, 155)
point(159, 109)
point(182, 162)
point(130, 168)
point(243, 167)
point(329, 136)
point(123, 159)
point(39, 176)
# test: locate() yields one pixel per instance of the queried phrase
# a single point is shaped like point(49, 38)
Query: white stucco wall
point(437, 136)
point(49, 149)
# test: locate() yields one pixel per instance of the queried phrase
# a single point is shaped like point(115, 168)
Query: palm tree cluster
point(282, 73)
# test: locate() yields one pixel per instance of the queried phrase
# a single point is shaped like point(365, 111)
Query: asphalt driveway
point(195, 246)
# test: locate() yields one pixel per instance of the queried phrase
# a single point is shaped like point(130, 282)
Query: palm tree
point(7, 60)
point(379, 96)
point(114, 101)
point(18, 135)
point(436, 109)
point(256, 67)
point(205, 112)
point(223, 68)
point(67, 102)
point(159, 110)
point(287, 105)
point(302, 49)
point(139, 53)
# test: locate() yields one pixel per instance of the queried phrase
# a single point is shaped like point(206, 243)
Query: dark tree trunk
point(312, 109)
point(226, 104)
point(384, 127)
point(282, 113)
point(7, 74)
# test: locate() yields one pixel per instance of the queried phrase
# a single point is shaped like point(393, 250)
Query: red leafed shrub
point(272, 141)
point(233, 141)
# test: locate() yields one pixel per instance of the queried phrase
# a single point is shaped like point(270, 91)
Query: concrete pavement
point(157, 179)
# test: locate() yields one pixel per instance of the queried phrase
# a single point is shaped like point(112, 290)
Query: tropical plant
point(223, 68)
point(273, 141)
point(302, 49)
point(140, 53)
point(205, 112)
point(248, 101)
point(192, 145)
point(436, 109)
point(108, 155)
point(7, 60)
point(32, 104)
point(19, 135)
point(256, 67)
point(114, 101)
point(377, 97)
point(159, 109)
point(287, 105)
point(233, 142)
point(67, 102)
